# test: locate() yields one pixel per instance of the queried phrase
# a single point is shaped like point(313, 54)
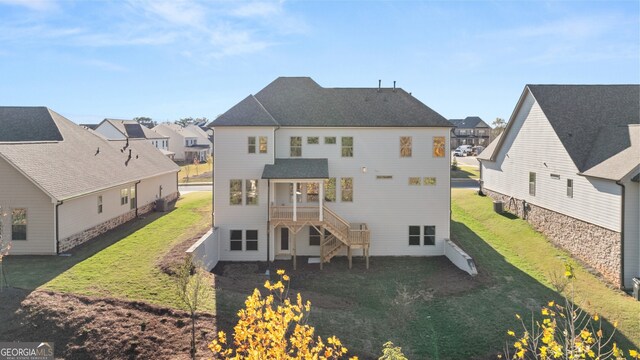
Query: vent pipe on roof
point(379, 85)
point(394, 86)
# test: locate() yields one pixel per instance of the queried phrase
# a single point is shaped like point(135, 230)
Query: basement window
point(235, 240)
point(414, 235)
point(314, 236)
point(429, 235)
point(251, 240)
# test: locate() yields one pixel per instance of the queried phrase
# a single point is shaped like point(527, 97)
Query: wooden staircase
point(342, 234)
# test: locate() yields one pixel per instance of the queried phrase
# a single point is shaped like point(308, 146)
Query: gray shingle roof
point(133, 130)
point(300, 101)
point(615, 152)
point(469, 122)
point(74, 166)
point(27, 124)
point(297, 169)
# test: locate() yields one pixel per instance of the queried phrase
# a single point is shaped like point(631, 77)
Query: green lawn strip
point(465, 172)
point(127, 269)
point(194, 170)
point(531, 253)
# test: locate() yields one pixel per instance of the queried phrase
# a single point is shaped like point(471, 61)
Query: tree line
point(150, 123)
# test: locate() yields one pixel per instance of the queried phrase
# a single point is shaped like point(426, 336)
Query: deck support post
point(349, 255)
point(295, 200)
point(366, 251)
point(320, 199)
point(295, 256)
point(321, 240)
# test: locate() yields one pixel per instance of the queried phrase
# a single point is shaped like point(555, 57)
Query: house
point(186, 142)
point(63, 185)
point(307, 170)
point(203, 137)
point(116, 129)
point(471, 130)
point(568, 162)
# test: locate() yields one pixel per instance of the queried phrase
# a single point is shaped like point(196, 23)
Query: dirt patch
point(91, 328)
point(177, 254)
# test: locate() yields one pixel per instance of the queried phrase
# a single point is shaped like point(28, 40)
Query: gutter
point(269, 205)
point(622, 236)
point(136, 190)
point(58, 227)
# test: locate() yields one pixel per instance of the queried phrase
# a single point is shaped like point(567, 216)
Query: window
point(252, 240)
point(132, 203)
point(124, 196)
point(346, 189)
point(19, 224)
point(405, 146)
point(99, 204)
point(330, 190)
point(252, 192)
point(414, 235)
point(296, 146)
point(532, 184)
point(251, 144)
point(384, 177)
point(414, 181)
point(438, 146)
point(314, 236)
point(330, 140)
point(312, 192)
point(298, 192)
point(263, 144)
point(429, 181)
point(429, 235)
point(347, 146)
point(314, 140)
point(235, 242)
point(570, 188)
point(235, 192)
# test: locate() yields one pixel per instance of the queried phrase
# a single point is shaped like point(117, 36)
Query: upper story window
point(312, 192)
point(414, 181)
point(263, 144)
point(330, 190)
point(346, 189)
point(251, 144)
point(295, 146)
point(313, 140)
point(252, 192)
point(405, 146)
point(347, 146)
point(438, 146)
point(235, 192)
point(329, 140)
point(532, 184)
point(19, 224)
point(429, 181)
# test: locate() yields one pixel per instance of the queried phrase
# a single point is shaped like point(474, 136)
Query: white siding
point(16, 191)
point(631, 232)
point(176, 140)
point(80, 214)
point(387, 206)
point(109, 131)
point(533, 146)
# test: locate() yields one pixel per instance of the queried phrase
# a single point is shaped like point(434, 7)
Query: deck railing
point(302, 213)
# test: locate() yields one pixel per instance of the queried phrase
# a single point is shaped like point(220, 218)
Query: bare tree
point(193, 289)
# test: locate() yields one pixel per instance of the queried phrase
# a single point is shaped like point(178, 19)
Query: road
point(192, 188)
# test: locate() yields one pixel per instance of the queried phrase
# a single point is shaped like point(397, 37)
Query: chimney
point(394, 86)
point(379, 85)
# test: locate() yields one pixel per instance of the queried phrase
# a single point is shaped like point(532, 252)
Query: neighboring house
point(470, 131)
point(568, 162)
point(116, 129)
point(65, 185)
point(306, 170)
point(202, 137)
point(185, 142)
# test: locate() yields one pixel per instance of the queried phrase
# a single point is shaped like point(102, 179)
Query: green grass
point(121, 264)
point(194, 171)
point(466, 172)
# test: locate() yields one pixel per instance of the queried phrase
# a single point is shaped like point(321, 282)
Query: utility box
point(497, 206)
point(636, 288)
point(162, 205)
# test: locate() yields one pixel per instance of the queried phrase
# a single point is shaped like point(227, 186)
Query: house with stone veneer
point(569, 163)
point(61, 184)
point(307, 170)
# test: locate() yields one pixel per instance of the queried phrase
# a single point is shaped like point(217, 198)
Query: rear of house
point(63, 185)
point(568, 162)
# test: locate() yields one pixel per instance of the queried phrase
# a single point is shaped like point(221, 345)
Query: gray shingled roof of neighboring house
point(579, 114)
point(300, 101)
point(74, 166)
point(133, 130)
point(469, 122)
point(615, 152)
point(297, 169)
point(18, 123)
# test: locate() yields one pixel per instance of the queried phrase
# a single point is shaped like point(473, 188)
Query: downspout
point(622, 236)
point(269, 206)
point(136, 190)
point(58, 227)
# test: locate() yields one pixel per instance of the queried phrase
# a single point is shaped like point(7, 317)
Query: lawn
point(466, 172)
point(195, 173)
point(427, 306)
point(122, 263)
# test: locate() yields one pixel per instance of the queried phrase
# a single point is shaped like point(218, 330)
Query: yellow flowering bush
point(565, 332)
point(274, 327)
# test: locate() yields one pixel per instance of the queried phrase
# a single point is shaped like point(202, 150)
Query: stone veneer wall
point(72, 241)
point(592, 244)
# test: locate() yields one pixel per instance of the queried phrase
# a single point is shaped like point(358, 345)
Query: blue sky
point(94, 59)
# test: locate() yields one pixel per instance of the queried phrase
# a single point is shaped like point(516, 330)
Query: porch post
point(295, 254)
point(295, 201)
point(272, 196)
point(321, 198)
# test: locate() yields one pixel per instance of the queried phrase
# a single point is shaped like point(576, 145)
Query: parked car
point(477, 150)
point(465, 149)
point(458, 152)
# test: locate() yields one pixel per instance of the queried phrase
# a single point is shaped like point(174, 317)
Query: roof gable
point(27, 124)
point(469, 122)
point(300, 101)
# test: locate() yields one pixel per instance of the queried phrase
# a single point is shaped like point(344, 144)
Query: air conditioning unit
point(162, 205)
point(498, 206)
point(636, 288)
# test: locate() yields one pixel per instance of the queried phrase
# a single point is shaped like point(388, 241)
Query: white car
point(458, 152)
